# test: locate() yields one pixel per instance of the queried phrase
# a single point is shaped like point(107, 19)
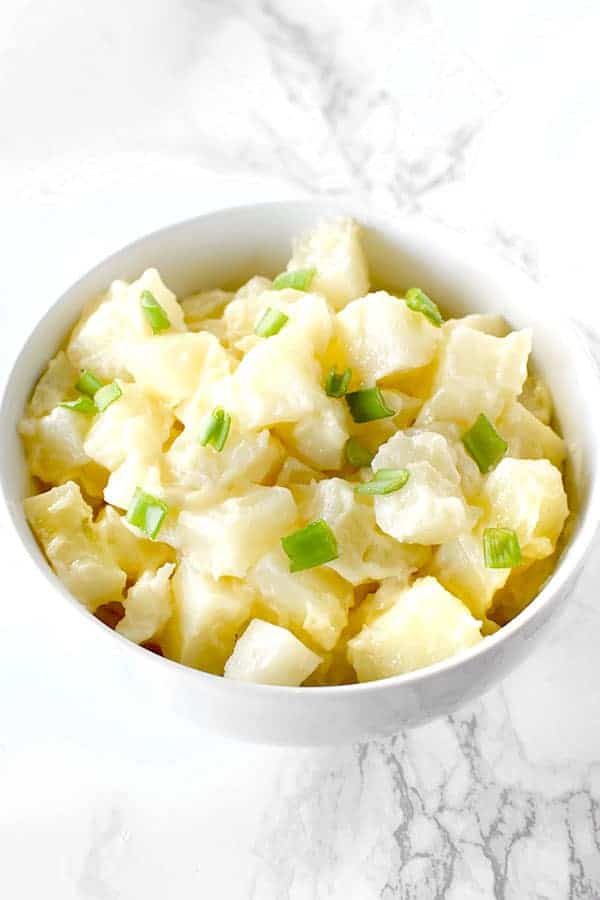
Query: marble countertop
point(120, 117)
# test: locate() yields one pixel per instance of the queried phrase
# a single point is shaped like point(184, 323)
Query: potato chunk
point(56, 384)
point(135, 555)
point(365, 554)
point(528, 437)
point(207, 618)
point(171, 366)
point(430, 508)
point(477, 373)
point(334, 250)
point(242, 312)
point(62, 522)
point(459, 565)
point(54, 444)
point(535, 397)
point(229, 538)
point(426, 624)
point(320, 438)
point(147, 605)
point(102, 338)
point(268, 654)
point(248, 457)
point(528, 496)
point(197, 308)
point(383, 337)
point(136, 423)
point(313, 604)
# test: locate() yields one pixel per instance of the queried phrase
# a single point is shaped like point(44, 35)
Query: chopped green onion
point(419, 302)
point(337, 385)
point(367, 405)
point(83, 404)
point(356, 454)
point(385, 481)
point(156, 315)
point(88, 383)
point(107, 395)
point(270, 323)
point(310, 546)
point(215, 430)
point(299, 280)
point(147, 513)
point(501, 548)
point(484, 444)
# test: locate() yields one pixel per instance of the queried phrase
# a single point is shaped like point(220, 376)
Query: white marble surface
point(120, 116)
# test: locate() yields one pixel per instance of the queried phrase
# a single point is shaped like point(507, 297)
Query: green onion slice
point(501, 549)
point(147, 513)
point(82, 404)
point(107, 395)
point(367, 405)
point(337, 385)
point(270, 323)
point(215, 429)
point(299, 280)
point(419, 302)
point(484, 444)
point(385, 481)
point(356, 454)
point(88, 383)
point(156, 315)
point(311, 546)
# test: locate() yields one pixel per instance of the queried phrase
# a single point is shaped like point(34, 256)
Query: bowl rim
point(572, 556)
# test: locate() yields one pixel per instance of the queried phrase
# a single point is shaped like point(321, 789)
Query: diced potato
point(334, 250)
point(528, 437)
point(477, 373)
point(268, 654)
point(56, 384)
point(528, 496)
point(148, 605)
point(430, 508)
point(460, 400)
point(62, 522)
point(279, 380)
point(459, 565)
point(207, 617)
point(229, 538)
point(310, 320)
point(425, 625)
point(247, 458)
point(535, 397)
point(101, 339)
point(54, 444)
point(135, 555)
point(313, 604)
point(523, 585)
point(471, 478)
point(136, 423)
point(207, 304)
point(172, 366)
point(365, 554)
point(486, 322)
point(320, 438)
point(242, 312)
point(383, 337)
point(131, 474)
point(294, 472)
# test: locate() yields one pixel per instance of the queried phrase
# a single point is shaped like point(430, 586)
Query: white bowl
point(222, 249)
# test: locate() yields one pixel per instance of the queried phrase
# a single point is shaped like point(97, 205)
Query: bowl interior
point(223, 249)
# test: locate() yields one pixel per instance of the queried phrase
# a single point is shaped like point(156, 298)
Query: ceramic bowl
point(224, 248)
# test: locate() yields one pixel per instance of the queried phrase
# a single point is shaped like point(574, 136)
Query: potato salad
point(307, 481)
